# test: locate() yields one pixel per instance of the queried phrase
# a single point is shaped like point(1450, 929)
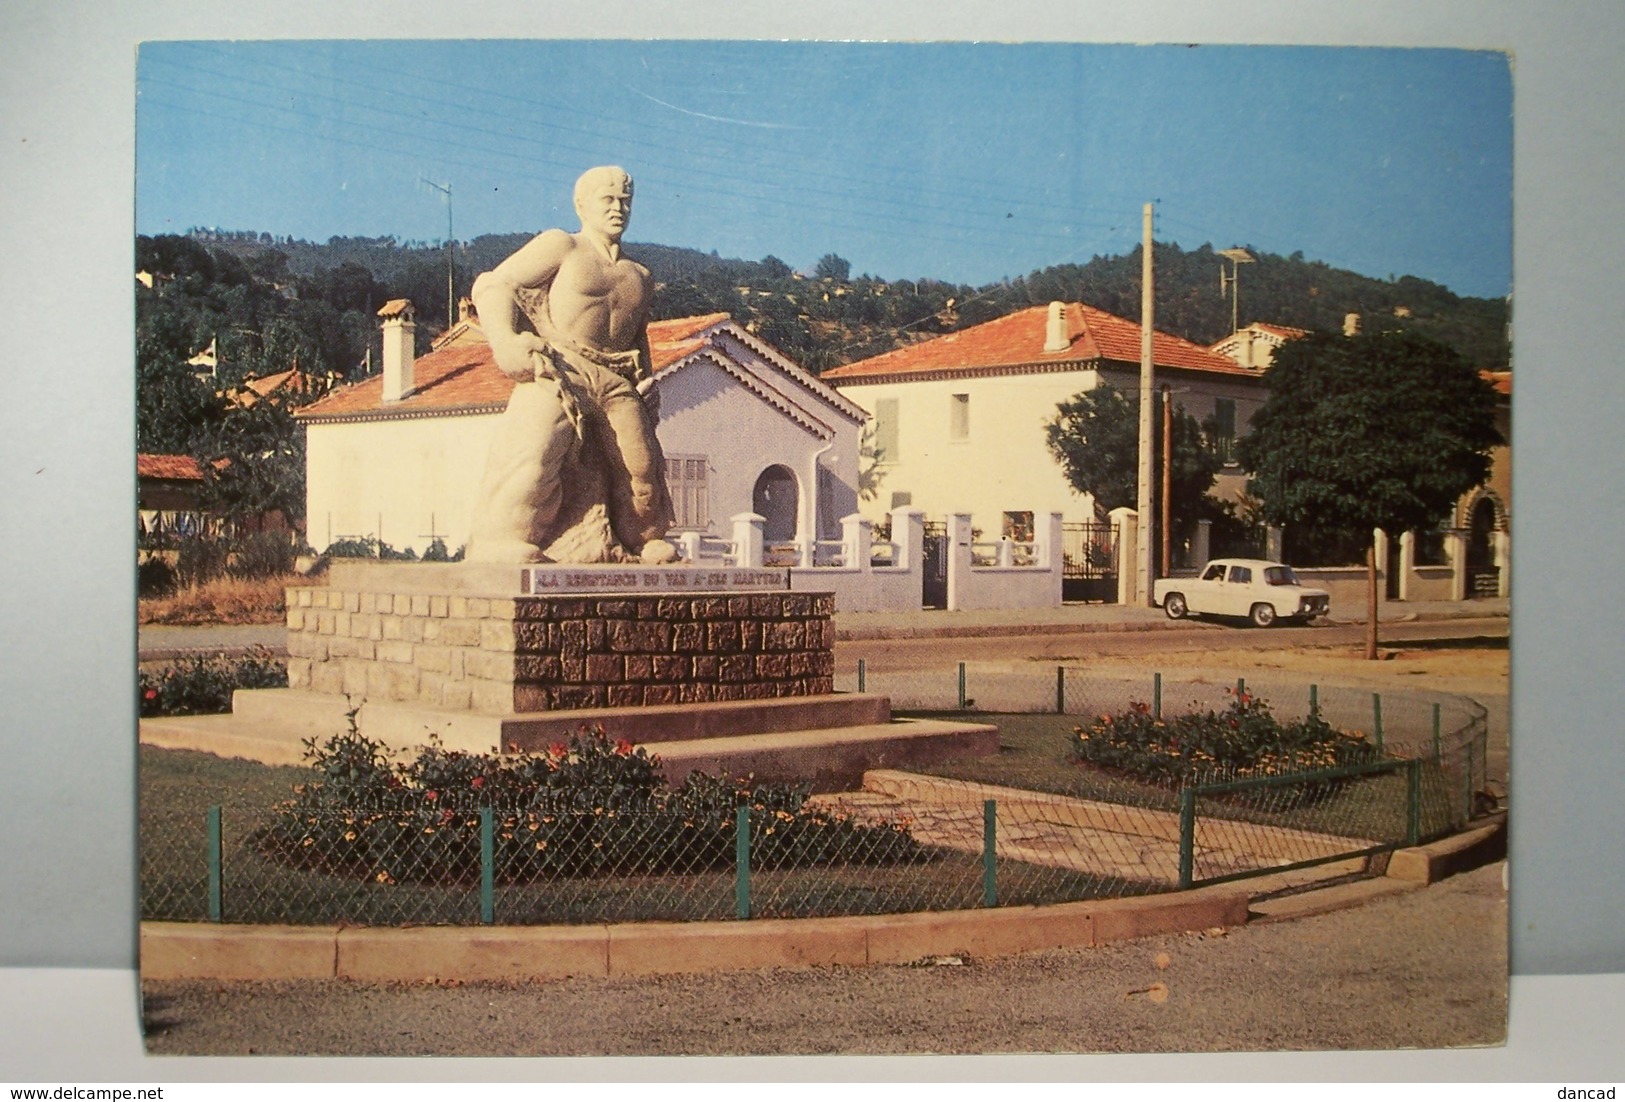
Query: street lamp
point(1237, 257)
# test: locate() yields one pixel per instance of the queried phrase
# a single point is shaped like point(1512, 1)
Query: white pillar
point(1379, 543)
point(1501, 542)
point(908, 536)
point(748, 538)
point(857, 541)
point(691, 543)
point(1050, 553)
point(1272, 543)
point(959, 558)
point(1126, 524)
point(1407, 564)
point(1006, 556)
point(1202, 545)
point(1455, 548)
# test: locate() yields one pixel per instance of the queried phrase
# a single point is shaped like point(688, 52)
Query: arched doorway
point(1482, 576)
point(776, 499)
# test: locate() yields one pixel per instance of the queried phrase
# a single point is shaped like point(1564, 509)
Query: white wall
point(1003, 464)
point(398, 481)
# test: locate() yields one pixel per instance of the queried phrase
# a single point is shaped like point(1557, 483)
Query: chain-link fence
point(835, 857)
point(1031, 825)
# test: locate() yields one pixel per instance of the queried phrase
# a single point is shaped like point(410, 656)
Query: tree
point(1095, 437)
point(831, 266)
point(1385, 431)
point(263, 449)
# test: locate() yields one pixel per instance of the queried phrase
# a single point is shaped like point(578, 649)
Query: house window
point(1224, 429)
point(690, 500)
point(959, 417)
point(901, 499)
point(886, 435)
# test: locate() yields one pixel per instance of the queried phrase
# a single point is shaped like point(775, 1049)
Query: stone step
point(306, 714)
point(832, 759)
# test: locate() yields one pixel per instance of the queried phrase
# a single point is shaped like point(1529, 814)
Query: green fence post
point(214, 863)
point(488, 868)
point(1187, 836)
point(962, 686)
point(1241, 687)
point(1314, 700)
point(1060, 690)
point(742, 862)
point(1156, 695)
point(990, 850)
point(862, 678)
point(1376, 719)
point(1413, 818)
point(1435, 734)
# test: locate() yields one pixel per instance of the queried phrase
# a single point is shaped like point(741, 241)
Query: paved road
point(1426, 969)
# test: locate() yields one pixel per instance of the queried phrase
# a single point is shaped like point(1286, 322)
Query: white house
point(398, 456)
point(959, 419)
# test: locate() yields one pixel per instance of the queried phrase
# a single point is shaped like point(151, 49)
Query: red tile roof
point(1017, 340)
point(182, 468)
point(466, 376)
point(1500, 380)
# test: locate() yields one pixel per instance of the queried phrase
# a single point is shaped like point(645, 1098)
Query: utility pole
point(1167, 474)
point(1142, 565)
point(451, 271)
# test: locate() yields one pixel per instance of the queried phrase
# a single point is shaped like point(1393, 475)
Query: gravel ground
point(1424, 970)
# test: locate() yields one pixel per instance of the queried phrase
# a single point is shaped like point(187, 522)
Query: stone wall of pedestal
point(548, 653)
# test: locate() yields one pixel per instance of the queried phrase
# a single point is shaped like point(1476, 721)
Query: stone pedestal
point(722, 670)
point(541, 639)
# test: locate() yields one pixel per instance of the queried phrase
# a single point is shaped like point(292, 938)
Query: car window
point(1214, 574)
point(1241, 574)
point(1280, 575)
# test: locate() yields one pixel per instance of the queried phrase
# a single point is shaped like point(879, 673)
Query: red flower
point(431, 795)
point(151, 694)
point(558, 750)
point(477, 782)
point(623, 748)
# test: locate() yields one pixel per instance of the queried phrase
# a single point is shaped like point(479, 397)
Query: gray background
point(66, 408)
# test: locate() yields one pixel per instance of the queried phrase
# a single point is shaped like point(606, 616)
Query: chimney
point(1055, 336)
point(1351, 325)
point(398, 332)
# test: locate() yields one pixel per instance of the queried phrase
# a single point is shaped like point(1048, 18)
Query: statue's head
point(603, 200)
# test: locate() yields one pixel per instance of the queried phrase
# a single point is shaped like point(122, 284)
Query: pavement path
point(1424, 969)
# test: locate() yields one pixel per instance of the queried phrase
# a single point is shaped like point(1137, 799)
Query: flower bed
point(588, 807)
point(1242, 741)
point(202, 685)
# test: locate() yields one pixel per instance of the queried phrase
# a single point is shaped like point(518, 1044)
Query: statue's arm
point(495, 295)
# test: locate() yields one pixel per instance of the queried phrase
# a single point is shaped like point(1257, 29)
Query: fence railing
point(945, 837)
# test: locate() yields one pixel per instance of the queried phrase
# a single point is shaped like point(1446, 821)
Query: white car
point(1260, 590)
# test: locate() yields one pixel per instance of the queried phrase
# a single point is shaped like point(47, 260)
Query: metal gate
point(1089, 562)
point(935, 585)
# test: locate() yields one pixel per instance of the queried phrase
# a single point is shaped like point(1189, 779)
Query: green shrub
point(366, 547)
point(154, 577)
point(585, 807)
point(1244, 740)
point(436, 552)
point(265, 554)
point(203, 684)
point(201, 559)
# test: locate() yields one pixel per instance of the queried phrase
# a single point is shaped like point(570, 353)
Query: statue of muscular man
point(567, 318)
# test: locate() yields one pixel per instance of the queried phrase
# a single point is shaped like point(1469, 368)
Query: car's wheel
point(1262, 615)
point(1174, 606)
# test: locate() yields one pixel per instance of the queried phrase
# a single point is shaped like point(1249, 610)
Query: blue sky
point(969, 162)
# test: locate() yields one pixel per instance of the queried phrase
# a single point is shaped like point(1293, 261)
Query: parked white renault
point(1260, 590)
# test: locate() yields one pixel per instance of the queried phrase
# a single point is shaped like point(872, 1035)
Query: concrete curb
point(188, 950)
point(1446, 857)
